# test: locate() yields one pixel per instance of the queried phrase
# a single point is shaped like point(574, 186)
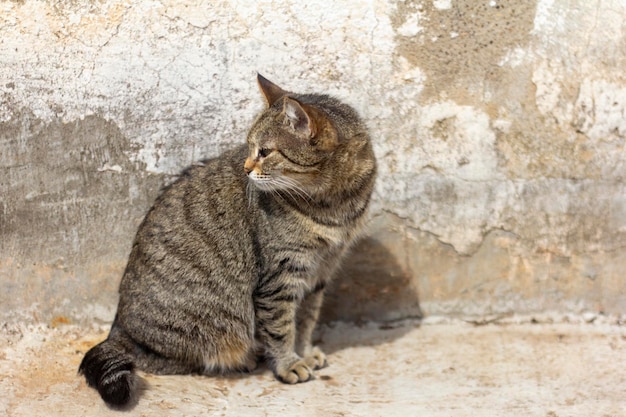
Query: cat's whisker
point(291, 186)
point(249, 194)
point(292, 183)
point(276, 193)
point(277, 184)
point(294, 194)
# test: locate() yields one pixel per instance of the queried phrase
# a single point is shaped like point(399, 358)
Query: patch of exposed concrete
point(457, 42)
point(71, 203)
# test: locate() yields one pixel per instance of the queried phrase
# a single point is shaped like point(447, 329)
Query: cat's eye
point(263, 152)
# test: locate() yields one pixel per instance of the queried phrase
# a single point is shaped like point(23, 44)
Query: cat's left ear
point(298, 118)
point(310, 123)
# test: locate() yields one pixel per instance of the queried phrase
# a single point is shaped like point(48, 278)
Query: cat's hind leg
point(231, 354)
point(152, 362)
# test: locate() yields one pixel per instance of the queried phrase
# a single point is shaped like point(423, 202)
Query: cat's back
point(208, 200)
point(194, 253)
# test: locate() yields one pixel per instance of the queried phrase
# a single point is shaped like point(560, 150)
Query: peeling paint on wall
point(499, 127)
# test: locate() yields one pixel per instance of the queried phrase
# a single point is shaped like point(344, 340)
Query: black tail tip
point(111, 374)
point(119, 394)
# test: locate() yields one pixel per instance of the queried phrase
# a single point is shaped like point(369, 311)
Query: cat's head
point(289, 143)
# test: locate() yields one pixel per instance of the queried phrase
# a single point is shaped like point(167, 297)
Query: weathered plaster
point(499, 126)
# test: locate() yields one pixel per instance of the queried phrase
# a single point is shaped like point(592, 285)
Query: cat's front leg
point(275, 308)
point(306, 319)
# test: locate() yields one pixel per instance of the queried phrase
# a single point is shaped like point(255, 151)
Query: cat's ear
point(271, 91)
point(310, 123)
point(298, 118)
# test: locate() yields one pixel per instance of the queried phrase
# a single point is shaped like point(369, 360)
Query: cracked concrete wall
point(499, 127)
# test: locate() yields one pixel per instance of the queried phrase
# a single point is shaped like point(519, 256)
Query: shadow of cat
point(371, 292)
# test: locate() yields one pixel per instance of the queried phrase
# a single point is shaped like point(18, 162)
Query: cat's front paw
point(316, 359)
point(298, 371)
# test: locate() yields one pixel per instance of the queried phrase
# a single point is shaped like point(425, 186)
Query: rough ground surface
point(438, 368)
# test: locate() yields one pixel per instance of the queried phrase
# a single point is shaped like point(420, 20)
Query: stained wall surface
point(499, 128)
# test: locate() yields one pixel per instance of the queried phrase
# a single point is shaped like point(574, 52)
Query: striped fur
point(233, 257)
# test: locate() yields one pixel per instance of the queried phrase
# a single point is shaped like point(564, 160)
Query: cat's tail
point(108, 367)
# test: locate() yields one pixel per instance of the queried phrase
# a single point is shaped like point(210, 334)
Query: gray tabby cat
point(233, 258)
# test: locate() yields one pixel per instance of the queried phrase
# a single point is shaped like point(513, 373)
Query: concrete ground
point(576, 367)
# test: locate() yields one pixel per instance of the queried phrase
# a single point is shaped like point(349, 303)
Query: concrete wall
point(499, 126)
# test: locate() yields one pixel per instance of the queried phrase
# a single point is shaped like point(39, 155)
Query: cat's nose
point(248, 166)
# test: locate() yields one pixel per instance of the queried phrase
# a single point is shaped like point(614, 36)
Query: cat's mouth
point(263, 182)
point(277, 182)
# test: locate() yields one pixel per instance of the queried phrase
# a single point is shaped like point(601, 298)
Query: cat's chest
point(306, 238)
point(300, 250)
point(322, 235)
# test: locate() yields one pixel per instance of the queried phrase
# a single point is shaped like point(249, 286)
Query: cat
point(233, 258)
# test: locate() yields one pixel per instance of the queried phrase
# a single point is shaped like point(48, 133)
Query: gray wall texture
point(499, 125)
